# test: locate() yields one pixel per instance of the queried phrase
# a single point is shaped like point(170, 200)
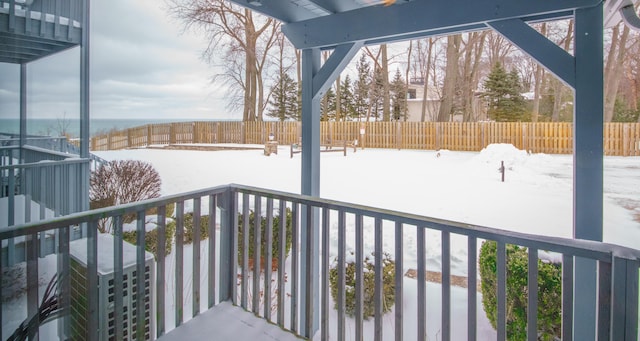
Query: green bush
point(275, 236)
point(188, 227)
point(549, 292)
point(388, 286)
point(151, 239)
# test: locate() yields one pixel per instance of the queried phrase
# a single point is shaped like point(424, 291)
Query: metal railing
point(286, 287)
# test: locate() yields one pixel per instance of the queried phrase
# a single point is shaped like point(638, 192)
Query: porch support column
point(315, 82)
point(23, 109)
point(84, 106)
point(310, 186)
point(588, 117)
point(584, 73)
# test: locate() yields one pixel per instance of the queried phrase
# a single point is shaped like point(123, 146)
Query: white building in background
point(415, 95)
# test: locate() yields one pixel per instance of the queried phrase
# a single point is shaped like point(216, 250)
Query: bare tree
point(613, 68)
point(473, 50)
point(235, 30)
point(120, 182)
point(498, 48)
point(422, 67)
point(537, 82)
point(450, 78)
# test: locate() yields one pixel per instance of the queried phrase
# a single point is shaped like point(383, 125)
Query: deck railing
point(196, 277)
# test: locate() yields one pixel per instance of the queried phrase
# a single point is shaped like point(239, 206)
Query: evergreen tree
point(284, 102)
point(328, 106)
point(398, 97)
point(346, 99)
point(361, 88)
point(377, 94)
point(502, 91)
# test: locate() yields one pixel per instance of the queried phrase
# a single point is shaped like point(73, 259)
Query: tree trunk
point(386, 102)
point(338, 100)
point(450, 78)
point(613, 69)
point(472, 54)
point(425, 91)
point(537, 83)
point(559, 87)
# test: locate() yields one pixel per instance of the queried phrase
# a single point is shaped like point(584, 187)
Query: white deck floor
point(228, 322)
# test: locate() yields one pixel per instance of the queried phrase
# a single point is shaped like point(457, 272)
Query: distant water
point(50, 127)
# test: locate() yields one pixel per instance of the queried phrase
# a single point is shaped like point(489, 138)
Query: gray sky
point(142, 66)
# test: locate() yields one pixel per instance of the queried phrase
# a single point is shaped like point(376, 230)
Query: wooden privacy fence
point(542, 137)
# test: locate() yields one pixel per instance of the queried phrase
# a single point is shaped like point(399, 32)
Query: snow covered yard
point(536, 197)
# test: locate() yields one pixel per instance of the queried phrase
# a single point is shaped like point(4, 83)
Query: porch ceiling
point(19, 48)
point(328, 23)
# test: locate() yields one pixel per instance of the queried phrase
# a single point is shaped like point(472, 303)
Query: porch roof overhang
point(329, 23)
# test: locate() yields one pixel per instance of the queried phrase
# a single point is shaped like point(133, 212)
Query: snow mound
point(493, 154)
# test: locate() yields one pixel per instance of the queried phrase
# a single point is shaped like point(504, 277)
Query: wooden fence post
point(129, 140)
point(109, 146)
point(625, 140)
point(149, 135)
point(172, 133)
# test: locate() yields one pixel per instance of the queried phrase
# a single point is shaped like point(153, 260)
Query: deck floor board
point(228, 322)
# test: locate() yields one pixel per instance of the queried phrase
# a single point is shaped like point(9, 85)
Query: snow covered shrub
point(120, 182)
point(275, 249)
point(368, 288)
point(549, 292)
point(151, 239)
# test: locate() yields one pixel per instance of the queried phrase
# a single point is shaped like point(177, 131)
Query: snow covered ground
point(536, 197)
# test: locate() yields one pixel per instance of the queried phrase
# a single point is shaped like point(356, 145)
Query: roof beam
point(418, 18)
point(538, 47)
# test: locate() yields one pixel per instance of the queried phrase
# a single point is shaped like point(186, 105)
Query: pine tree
point(502, 91)
point(398, 97)
point(328, 106)
point(362, 87)
point(346, 99)
point(283, 105)
point(377, 95)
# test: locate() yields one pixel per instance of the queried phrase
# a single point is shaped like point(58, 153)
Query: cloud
point(142, 66)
